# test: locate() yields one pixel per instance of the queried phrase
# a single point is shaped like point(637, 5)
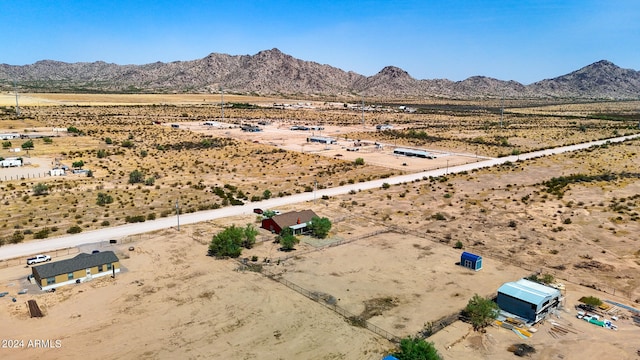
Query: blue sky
point(525, 41)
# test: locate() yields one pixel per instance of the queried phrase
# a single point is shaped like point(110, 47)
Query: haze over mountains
point(272, 72)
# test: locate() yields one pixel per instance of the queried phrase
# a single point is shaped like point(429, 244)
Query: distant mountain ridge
point(272, 72)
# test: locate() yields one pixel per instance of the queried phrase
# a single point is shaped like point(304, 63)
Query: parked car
point(95, 251)
point(258, 211)
point(38, 259)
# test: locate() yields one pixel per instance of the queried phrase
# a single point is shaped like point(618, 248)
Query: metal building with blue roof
point(528, 299)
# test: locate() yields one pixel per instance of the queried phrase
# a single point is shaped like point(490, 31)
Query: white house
point(10, 162)
point(56, 172)
point(9, 136)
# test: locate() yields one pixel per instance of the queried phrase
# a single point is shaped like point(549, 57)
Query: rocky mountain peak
point(272, 72)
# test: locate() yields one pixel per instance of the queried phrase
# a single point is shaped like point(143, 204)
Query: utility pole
point(178, 213)
point(362, 110)
point(15, 88)
point(222, 102)
point(315, 188)
point(502, 110)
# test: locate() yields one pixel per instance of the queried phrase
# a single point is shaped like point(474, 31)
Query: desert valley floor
point(391, 254)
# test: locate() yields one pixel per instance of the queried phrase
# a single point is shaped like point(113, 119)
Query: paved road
point(39, 246)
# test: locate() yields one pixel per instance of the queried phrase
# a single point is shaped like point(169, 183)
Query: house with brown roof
point(296, 220)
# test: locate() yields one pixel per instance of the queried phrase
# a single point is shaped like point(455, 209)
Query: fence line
point(22, 260)
point(317, 297)
point(332, 244)
point(26, 176)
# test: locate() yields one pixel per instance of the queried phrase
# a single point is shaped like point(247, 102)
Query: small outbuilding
point(296, 220)
point(56, 172)
point(471, 261)
point(81, 268)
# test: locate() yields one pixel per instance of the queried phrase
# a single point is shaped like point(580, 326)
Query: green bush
point(134, 219)
point(104, 199)
point(74, 230)
point(438, 216)
point(42, 234)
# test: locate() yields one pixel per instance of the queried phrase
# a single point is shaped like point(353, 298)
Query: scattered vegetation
point(481, 312)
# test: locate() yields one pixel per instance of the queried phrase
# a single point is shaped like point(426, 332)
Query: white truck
point(38, 259)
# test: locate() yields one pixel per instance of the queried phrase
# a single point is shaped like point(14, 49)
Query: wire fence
point(23, 260)
point(26, 176)
point(329, 302)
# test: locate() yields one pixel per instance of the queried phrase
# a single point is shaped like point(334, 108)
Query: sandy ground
point(278, 133)
point(172, 301)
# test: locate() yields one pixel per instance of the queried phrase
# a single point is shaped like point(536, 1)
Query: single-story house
point(413, 153)
point(471, 261)
point(528, 299)
point(9, 136)
point(56, 172)
point(78, 269)
point(321, 139)
point(296, 220)
point(11, 162)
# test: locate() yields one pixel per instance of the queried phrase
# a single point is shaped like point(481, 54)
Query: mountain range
point(272, 72)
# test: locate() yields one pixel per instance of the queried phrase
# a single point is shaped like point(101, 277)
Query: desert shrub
point(135, 177)
point(74, 130)
point(134, 219)
point(42, 234)
point(103, 199)
point(74, 230)
point(40, 189)
point(266, 194)
point(458, 245)
point(108, 141)
point(127, 144)
point(438, 216)
point(17, 237)
point(359, 161)
point(151, 216)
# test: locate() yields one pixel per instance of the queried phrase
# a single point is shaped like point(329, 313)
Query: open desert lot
point(172, 301)
point(390, 257)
